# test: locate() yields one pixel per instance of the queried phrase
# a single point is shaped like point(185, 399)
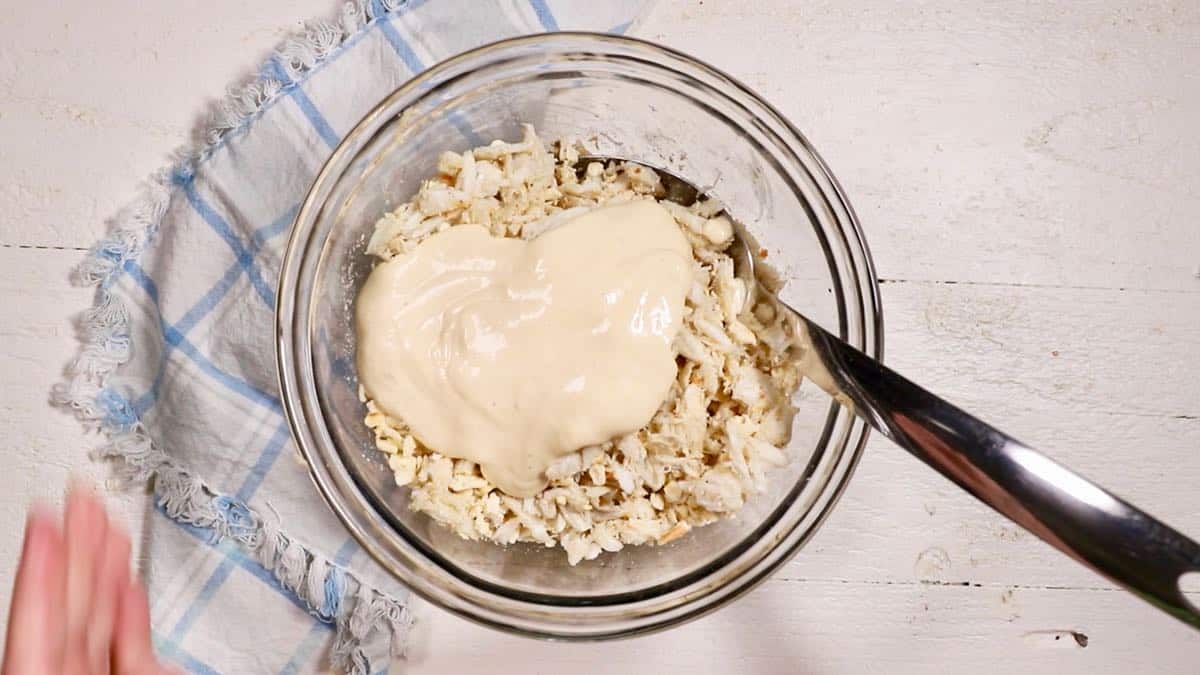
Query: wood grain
point(1044, 144)
point(1028, 180)
point(831, 627)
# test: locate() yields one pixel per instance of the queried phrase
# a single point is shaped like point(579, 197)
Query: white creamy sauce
point(513, 353)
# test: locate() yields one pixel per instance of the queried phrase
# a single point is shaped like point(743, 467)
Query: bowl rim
point(293, 352)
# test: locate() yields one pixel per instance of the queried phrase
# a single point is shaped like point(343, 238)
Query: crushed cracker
point(723, 426)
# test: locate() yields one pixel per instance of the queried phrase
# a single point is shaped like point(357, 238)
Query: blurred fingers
point(132, 649)
point(111, 578)
point(85, 532)
point(36, 620)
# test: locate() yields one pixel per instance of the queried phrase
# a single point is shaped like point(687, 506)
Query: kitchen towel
point(247, 569)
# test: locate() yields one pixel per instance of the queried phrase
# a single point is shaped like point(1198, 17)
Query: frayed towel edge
point(331, 593)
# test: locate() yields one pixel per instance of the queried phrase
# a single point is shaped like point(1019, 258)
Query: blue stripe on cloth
point(413, 62)
point(243, 256)
point(268, 232)
point(176, 653)
point(250, 485)
point(414, 65)
point(344, 553)
point(403, 49)
point(240, 559)
point(269, 454)
point(199, 532)
point(207, 591)
point(544, 14)
point(210, 300)
point(340, 367)
point(305, 650)
point(139, 275)
point(218, 291)
point(312, 641)
point(176, 339)
point(234, 384)
point(147, 399)
point(305, 104)
point(620, 28)
point(266, 459)
point(465, 129)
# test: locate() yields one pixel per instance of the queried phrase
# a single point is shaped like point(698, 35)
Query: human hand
point(76, 609)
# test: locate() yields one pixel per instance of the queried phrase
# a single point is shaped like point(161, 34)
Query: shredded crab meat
point(724, 423)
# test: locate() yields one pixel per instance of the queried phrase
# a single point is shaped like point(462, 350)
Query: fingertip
point(38, 508)
point(42, 532)
point(80, 492)
point(85, 523)
point(80, 484)
point(131, 643)
point(85, 531)
point(42, 511)
point(112, 575)
point(36, 615)
point(82, 496)
point(133, 622)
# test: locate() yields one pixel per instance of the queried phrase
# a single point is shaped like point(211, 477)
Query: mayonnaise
point(513, 353)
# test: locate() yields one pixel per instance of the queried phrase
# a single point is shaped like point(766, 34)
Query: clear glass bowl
point(624, 98)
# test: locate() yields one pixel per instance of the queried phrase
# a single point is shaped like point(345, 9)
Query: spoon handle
point(1066, 510)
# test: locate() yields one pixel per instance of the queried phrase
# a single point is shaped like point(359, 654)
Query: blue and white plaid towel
point(248, 570)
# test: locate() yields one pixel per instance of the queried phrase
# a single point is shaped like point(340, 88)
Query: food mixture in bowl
point(689, 418)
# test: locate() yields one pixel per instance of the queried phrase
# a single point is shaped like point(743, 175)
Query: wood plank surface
point(1029, 180)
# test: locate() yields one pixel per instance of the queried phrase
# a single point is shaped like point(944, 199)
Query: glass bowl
point(624, 98)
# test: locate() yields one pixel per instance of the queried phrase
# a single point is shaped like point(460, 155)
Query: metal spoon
point(1064, 509)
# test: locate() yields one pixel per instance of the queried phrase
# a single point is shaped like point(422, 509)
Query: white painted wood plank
point(1040, 151)
point(1103, 381)
point(1053, 350)
point(819, 627)
point(1043, 143)
point(95, 95)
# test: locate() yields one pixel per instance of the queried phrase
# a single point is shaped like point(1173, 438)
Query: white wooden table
point(1029, 179)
